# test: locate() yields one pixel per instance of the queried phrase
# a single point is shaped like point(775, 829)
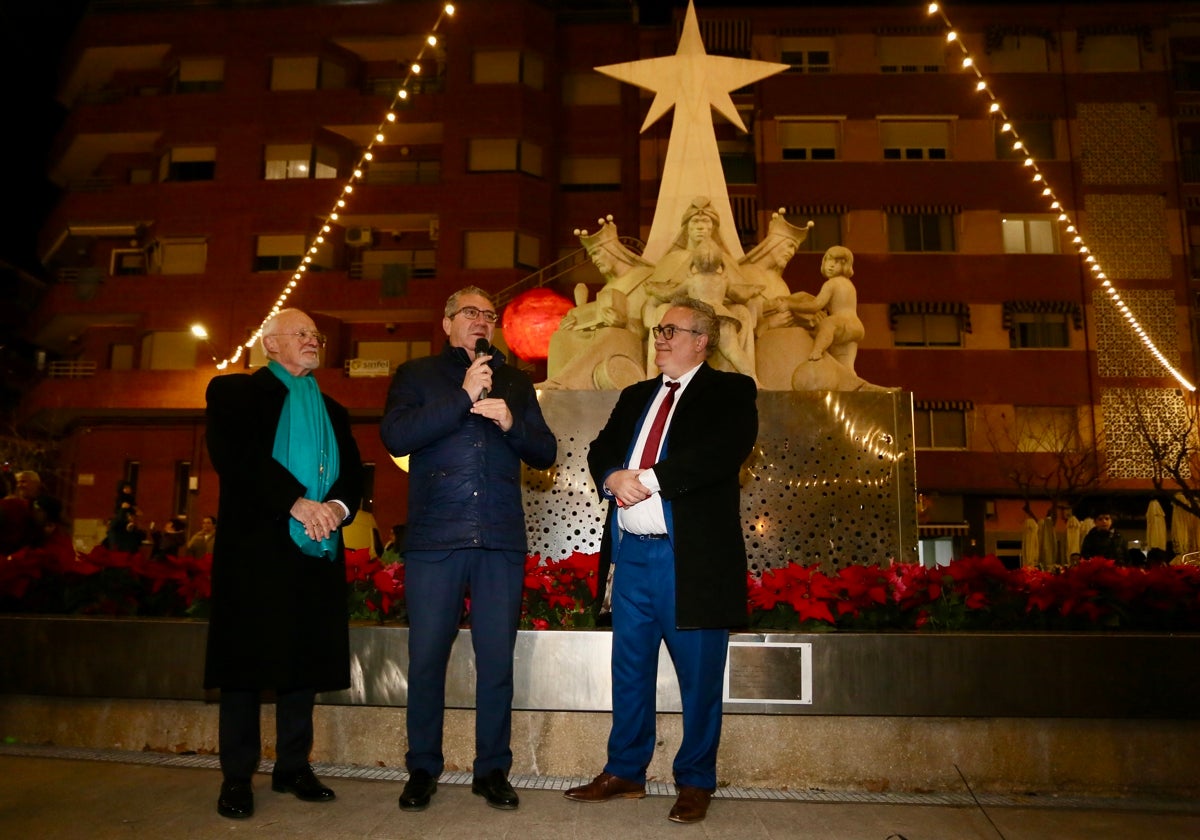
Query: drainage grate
point(653, 788)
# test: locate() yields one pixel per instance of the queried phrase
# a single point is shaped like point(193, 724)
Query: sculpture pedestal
point(831, 480)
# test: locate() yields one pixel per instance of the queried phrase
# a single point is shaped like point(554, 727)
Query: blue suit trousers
point(435, 583)
point(643, 616)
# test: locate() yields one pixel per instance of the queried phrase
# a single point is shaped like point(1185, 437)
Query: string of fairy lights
point(380, 137)
point(982, 86)
point(1039, 180)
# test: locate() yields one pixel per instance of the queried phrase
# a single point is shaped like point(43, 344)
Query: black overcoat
point(712, 432)
point(279, 617)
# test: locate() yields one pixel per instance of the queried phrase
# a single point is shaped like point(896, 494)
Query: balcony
point(79, 391)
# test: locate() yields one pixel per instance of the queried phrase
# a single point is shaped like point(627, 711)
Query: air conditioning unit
point(358, 237)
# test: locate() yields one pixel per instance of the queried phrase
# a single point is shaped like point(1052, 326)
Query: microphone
point(482, 348)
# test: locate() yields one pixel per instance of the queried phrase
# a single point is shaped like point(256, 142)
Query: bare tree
point(1166, 443)
point(1048, 455)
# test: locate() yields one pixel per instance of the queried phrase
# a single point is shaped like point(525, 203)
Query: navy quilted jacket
point(464, 473)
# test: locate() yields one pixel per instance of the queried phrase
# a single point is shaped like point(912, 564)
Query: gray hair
point(706, 319)
point(452, 301)
point(268, 328)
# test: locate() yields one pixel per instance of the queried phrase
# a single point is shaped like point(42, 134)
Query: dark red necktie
point(654, 439)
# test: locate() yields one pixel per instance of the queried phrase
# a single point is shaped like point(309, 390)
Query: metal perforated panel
point(831, 480)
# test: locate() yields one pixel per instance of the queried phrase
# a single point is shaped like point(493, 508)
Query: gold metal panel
point(831, 480)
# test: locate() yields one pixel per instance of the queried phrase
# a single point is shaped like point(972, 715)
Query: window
point(133, 470)
point(404, 172)
point(935, 428)
point(1020, 53)
point(500, 249)
point(199, 75)
point(823, 235)
point(183, 485)
point(1030, 234)
point(169, 351)
point(915, 139)
point(922, 54)
point(508, 67)
point(180, 256)
point(1109, 53)
point(1039, 329)
point(808, 140)
point(589, 174)
point(188, 163)
point(1047, 428)
point(395, 266)
point(278, 253)
point(504, 155)
point(920, 232)
point(1036, 138)
point(306, 72)
point(126, 262)
point(298, 160)
point(926, 329)
point(590, 89)
point(807, 55)
point(294, 73)
point(1187, 73)
point(120, 357)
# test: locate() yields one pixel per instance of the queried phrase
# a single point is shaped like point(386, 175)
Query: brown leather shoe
point(604, 787)
point(691, 806)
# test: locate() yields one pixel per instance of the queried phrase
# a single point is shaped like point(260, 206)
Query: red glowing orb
point(530, 319)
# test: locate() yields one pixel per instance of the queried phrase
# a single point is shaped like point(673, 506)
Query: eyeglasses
point(473, 312)
point(305, 335)
point(668, 331)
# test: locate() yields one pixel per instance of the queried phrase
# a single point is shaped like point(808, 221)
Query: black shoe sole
point(229, 813)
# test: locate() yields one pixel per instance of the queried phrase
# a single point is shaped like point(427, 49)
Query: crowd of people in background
point(30, 517)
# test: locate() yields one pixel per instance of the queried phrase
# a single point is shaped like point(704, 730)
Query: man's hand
point(320, 519)
point(625, 486)
point(496, 410)
point(478, 378)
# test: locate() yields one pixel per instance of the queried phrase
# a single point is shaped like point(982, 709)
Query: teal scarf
point(305, 444)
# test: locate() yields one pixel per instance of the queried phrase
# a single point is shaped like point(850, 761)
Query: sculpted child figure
point(837, 327)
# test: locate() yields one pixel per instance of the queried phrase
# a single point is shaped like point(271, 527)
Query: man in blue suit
point(468, 420)
point(669, 457)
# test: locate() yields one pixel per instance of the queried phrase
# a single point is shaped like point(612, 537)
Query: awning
point(922, 209)
point(1064, 307)
point(993, 36)
point(943, 405)
point(930, 307)
point(944, 530)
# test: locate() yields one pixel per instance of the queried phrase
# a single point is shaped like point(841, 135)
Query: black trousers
point(240, 736)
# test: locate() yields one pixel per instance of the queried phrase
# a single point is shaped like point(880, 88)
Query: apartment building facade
point(206, 146)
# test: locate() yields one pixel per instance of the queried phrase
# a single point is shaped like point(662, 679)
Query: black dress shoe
point(418, 790)
point(494, 787)
point(304, 784)
point(236, 800)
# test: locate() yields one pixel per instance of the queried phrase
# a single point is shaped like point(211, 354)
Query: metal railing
point(70, 370)
point(559, 268)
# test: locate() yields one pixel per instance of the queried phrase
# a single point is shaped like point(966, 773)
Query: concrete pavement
point(73, 794)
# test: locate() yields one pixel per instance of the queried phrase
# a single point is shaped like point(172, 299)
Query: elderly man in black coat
point(290, 479)
point(674, 539)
